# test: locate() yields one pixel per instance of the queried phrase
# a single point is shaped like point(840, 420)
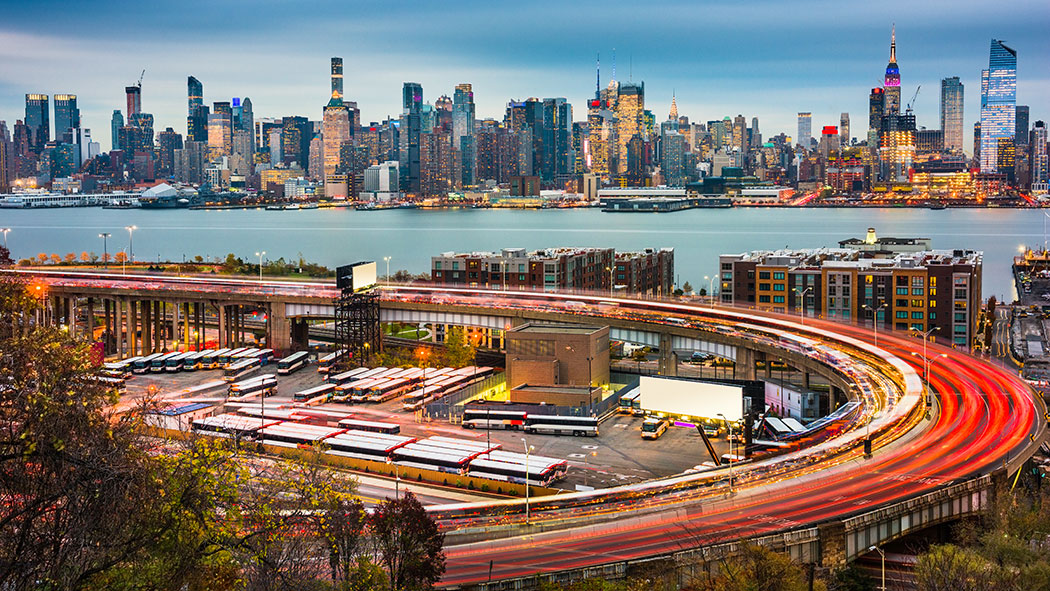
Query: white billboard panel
point(364, 275)
point(689, 398)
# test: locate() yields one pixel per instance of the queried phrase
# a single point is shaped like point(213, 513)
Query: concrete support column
point(175, 325)
point(133, 337)
point(805, 380)
point(198, 311)
point(160, 329)
point(278, 329)
point(91, 319)
point(769, 366)
point(221, 324)
point(744, 368)
point(668, 365)
point(186, 325)
point(300, 334)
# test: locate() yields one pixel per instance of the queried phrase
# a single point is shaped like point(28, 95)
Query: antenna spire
point(893, 44)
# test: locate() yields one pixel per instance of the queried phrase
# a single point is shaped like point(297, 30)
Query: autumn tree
point(756, 567)
point(458, 350)
point(70, 258)
point(42, 257)
point(56, 258)
point(85, 257)
point(408, 544)
point(120, 257)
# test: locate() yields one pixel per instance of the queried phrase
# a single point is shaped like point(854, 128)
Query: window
point(778, 299)
point(472, 275)
point(832, 279)
point(778, 287)
point(933, 291)
point(521, 268)
point(437, 264)
point(960, 316)
point(933, 316)
point(727, 276)
point(845, 290)
point(959, 329)
point(933, 303)
point(868, 279)
point(902, 291)
point(900, 304)
point(833, 291)
point(901, 326)
point(763, 299)
point(901, 281)
point(727, 266)
point(917, 282)
point(916, 303)
point(933, 282)
point(437, 273)
point(960, 294)
point(455, 265)
point(901, 314)
point(845, 280)
point(763, 274)
point(763, 287)
point(960, 281)
point(751, 274)
point(916, 291)
point(918, 327)
point(778, 275)
point(521, 278)
point(916, 315)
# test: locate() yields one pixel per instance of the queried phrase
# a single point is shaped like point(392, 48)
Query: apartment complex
point(911, 291)
point(591, 269)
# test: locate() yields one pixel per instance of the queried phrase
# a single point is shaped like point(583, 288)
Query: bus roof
point(295, 356)
point(323, 388)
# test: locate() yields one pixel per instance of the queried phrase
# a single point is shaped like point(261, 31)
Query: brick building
point(557, 354)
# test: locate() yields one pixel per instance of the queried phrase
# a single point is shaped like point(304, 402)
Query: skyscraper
point(38, 121)
point(558, 156)
point(1040, 162)
point(134, 100)
point(411, 129)
point(67, 119)
point(998, 99)
point(1020, 125)
point(463, 131)
point(892, 82)
point(220, 130)
point(805, 130)
point(629, 108)
point(335, 130)
point(952, 113)
point(115, 123)
point(876, 108)
point(194, 95)
point(740, 134)
point(844, 138)
point(337, 80)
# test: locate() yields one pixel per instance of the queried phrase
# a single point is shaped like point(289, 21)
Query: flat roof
point(554, 389)
point(556, 328)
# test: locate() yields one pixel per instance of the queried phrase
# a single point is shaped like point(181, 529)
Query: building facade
point(952, 113)
point(998, 101)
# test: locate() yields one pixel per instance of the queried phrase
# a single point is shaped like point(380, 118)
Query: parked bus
point(293, 363)
point(210, 360)
point(266, 384)
point(347, 376)
point(265, 356)
point(415, 399)
point(370, 426)
point(178, 362)
point(429, 458)
point(654, 428)
point(160, 363)
point(485, 418)
point(324, 364)
point(325, 390)
point(143, 364)
point(628, 401)
point(240, 369)
point(117, 385)
point(193, 362)
point(118, 369)
point(212, 387)
point(364, 446)
point(388, 390)
point(224, 359)
point(540, 472)
point(559, 425)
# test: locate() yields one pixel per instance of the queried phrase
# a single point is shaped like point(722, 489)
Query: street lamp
point(105, 248)
point(5, 231)
point(610, 270)
point(875, 320)
point(730, 426)
point(387, 259)
point(883, 554)
point(260, 255)
point(926, 371)
point(131, 241)
point(528, 450)
point(802, 303)
point(124, 262)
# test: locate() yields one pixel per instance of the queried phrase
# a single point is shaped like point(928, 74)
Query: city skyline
point(829, 74)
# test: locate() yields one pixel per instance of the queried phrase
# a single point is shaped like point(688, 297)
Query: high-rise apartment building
point(998, 102)
point(220, 130)
point(67, 119)
point(463, 132)
point(876, 108)
point(740, 134)
point(952, 113)
point(805, 130)
point(410, 133)
point(1038, 158)
point(1020, 125)
point(115, 123)
point(134, 100)
point(897, 147)
point(168, 142)
point(892, 82)
point(38, 121)
point(558, 158)
point(844, 138)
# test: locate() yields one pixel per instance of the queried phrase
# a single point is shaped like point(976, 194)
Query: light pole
point(926, 371)
point(131, 241)
point(710, 288)
point(802, 303)
point(387, 259)
point(611, 283)
point(124, 262)
point(5, 231)
point(503, 267)
point(875, 320)
point(528, 450)
point(260, 255)
point(105, 248)
point(730, 426)
point(883, 555)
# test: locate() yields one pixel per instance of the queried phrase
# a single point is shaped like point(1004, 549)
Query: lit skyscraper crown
point(893, 73)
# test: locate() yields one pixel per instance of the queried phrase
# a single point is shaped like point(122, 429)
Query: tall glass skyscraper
point(952, 113)
point(805, 130)
point(998, 99)
point(67, 119)
point(38, 120)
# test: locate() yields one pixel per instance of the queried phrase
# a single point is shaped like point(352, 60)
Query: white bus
point(210, 360)
point(143, 364)
point(347, 376)
point(324, 390)
point(118, 369)
point(265, 384)
point(485, 418)
point(630, 401)
point(178, 362)
point(292, 363)
point(370, 426)
point(654, 428)
point(193, 362)
point(223, 359)
point(159, 364)
point(324, 364)
point(240, 369)
point(559, 425)
point(541, 472)
point(117, 385)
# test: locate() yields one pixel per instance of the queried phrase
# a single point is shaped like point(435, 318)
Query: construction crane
point(912, 101)
point(141, 76)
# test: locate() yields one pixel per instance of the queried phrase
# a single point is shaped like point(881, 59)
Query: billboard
point(357, 276)
point(691, 398)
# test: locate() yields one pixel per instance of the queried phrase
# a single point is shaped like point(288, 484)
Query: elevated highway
point(933, 459)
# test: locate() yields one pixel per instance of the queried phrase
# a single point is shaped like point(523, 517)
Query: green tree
point(407, 543)
point(458, 350)
point(757, 568)
point(687, 287)
point(951, 568)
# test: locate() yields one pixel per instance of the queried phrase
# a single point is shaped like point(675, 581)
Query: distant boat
point(277, 207)
point(292, 206)
point(309, 205)
point(938, 206)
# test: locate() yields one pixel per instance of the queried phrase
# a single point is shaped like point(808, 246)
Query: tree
point(407, 543)
point(56, 258)
point(5, 257)
point(70, 258)
point(687, 287)
point(757, 568)
point(42, 257)
point(703, 291)
point(85, 257)
point(120, 257)
point(951, 568)
point(458, 350)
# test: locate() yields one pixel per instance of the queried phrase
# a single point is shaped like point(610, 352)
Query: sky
point(759, 58)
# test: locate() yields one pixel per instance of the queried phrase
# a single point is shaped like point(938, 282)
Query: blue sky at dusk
point(759, 58)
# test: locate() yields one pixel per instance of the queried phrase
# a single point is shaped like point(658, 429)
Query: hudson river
point(337, 236)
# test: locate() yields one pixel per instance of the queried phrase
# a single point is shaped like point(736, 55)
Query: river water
point(338, 236)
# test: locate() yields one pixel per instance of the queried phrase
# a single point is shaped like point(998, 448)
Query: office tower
point(168, 141)
point(672, 159)
point(190, 162)
point(197, 124)
point(337, 80)
point(756, 136)
point(844, 138)
point(115, 123)
point(952, 113)
point(463, 132)
point(134, 100)
point(740, 134)
point(1038, 158)
point(805, 130)
point(601, 134)
point(411, 129)
point(897, 147)
point(1020, 125)
point(977, 141)
point(335, 131)
point(876, 108)
point(244, 121)
point(998, 99)
point(629, 108)
point(194, 95)
point(892, 82)
point(38, 121)
point(220, 130)
point(67, 119)
point(296, 135)
point(88, 149)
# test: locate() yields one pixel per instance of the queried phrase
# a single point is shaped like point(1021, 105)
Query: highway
point(983, 417)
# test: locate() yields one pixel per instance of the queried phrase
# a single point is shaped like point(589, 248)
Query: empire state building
point(892, 84)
